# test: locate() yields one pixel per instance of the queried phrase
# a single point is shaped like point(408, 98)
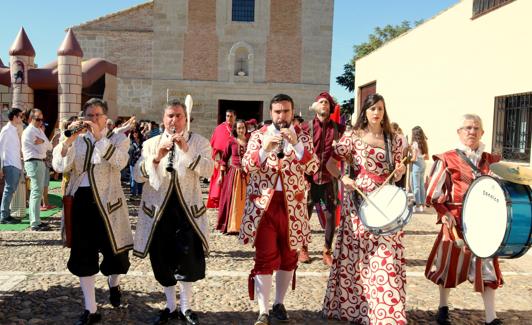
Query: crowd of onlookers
point(26, 144)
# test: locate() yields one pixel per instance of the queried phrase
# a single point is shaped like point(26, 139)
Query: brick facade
point(283, 58)
point(178, 47)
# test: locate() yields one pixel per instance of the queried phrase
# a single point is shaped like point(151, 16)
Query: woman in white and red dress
point(233, 181)
point(367, 280)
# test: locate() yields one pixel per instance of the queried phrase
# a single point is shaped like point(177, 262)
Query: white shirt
point(298, 149)
point(10, 146)
point(100, 147)
point(29, 148)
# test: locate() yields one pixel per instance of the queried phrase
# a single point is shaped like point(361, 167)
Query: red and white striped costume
point(448, 265)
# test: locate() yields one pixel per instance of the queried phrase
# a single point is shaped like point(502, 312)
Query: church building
point(227, 54)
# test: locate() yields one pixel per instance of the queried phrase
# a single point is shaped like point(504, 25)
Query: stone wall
point(187, 50)
point(138, 18)
point(131, 51)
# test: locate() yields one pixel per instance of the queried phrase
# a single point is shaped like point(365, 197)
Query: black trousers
point(176, 250)
point(328, 194)
point(89, 238)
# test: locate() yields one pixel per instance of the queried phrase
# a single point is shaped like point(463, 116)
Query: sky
point(45, 23)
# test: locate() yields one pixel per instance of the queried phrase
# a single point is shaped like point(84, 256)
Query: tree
point(375, 40)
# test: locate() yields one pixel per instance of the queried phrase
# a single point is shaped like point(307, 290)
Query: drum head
point(387, 205)
point(484, 216)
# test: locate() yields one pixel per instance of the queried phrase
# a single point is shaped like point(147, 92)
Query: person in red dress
point(219, 140)
point(233, 180)
point(368, 275)
point(449, 265)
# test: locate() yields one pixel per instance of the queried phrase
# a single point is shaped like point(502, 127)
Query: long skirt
point(232, 201)
point(18, 203)
point(368, 276)
point(214, 190)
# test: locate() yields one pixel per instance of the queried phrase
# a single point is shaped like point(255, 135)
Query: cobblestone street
point(36, 287)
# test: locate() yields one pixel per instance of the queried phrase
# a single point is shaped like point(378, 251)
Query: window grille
point(481, 7)
point(511, 126)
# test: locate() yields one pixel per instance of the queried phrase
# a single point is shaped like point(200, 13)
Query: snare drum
point(497, 218)
point(387, 211)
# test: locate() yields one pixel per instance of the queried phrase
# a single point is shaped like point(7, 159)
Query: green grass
point(53, 199)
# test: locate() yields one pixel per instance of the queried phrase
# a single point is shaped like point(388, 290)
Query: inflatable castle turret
point(69, 76)
point(22, 56)
point(60, 87)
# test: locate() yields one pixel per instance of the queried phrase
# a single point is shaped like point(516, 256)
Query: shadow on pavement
point(63, 305)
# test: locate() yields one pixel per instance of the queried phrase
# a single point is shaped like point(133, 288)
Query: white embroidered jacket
point(158, 184)
point(102, 161)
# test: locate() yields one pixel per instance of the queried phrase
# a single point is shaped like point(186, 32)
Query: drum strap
point(389, 157)
point(464, 158)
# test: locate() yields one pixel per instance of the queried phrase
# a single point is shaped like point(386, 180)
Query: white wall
point(451, 65)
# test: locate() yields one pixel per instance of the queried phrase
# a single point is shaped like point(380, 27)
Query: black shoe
point(279, 313)
point(9, 221)
point(496, 321)
point(165, 315)
point(189, 317)
point(41, 227)
point(88, 318)
point(114, 296)
point(262, 320)
point(443, 316)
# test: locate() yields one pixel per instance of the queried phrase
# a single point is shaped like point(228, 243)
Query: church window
point(243, 10)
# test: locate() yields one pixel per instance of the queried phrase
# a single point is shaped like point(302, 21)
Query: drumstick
point(392, 173)
point(457, 240)
point(369, 201)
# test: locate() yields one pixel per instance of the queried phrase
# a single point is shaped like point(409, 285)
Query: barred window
point(243, 10)
point(483, 6)
point(511, 126)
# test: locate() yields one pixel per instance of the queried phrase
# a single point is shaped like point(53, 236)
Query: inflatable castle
point(60, 87)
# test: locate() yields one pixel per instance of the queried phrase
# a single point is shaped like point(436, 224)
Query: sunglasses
point(39, 119)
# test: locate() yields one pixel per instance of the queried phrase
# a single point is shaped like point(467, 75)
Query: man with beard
point(323, 187)
point(275, 217)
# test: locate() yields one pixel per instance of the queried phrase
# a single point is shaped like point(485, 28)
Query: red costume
point(274, 220)
point(448, 265)
point(233, 195)
point(219, 140)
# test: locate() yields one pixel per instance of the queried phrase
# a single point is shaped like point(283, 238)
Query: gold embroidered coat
point(158, 185)
point(102, 161)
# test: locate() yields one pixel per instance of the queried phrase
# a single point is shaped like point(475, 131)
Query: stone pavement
point(36, 287)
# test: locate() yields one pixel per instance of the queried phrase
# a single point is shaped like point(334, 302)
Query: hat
point(251, 122)
point(327, 96)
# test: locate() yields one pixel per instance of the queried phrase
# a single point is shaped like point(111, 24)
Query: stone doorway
point(245, 109)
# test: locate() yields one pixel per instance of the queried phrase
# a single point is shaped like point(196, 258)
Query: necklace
point(376, 135)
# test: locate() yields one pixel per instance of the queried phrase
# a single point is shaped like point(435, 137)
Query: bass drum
point(497, 218)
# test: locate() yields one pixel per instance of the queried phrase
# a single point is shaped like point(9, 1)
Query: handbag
point(68, 202)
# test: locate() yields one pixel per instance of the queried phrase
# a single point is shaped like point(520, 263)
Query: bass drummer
point(449, 264)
